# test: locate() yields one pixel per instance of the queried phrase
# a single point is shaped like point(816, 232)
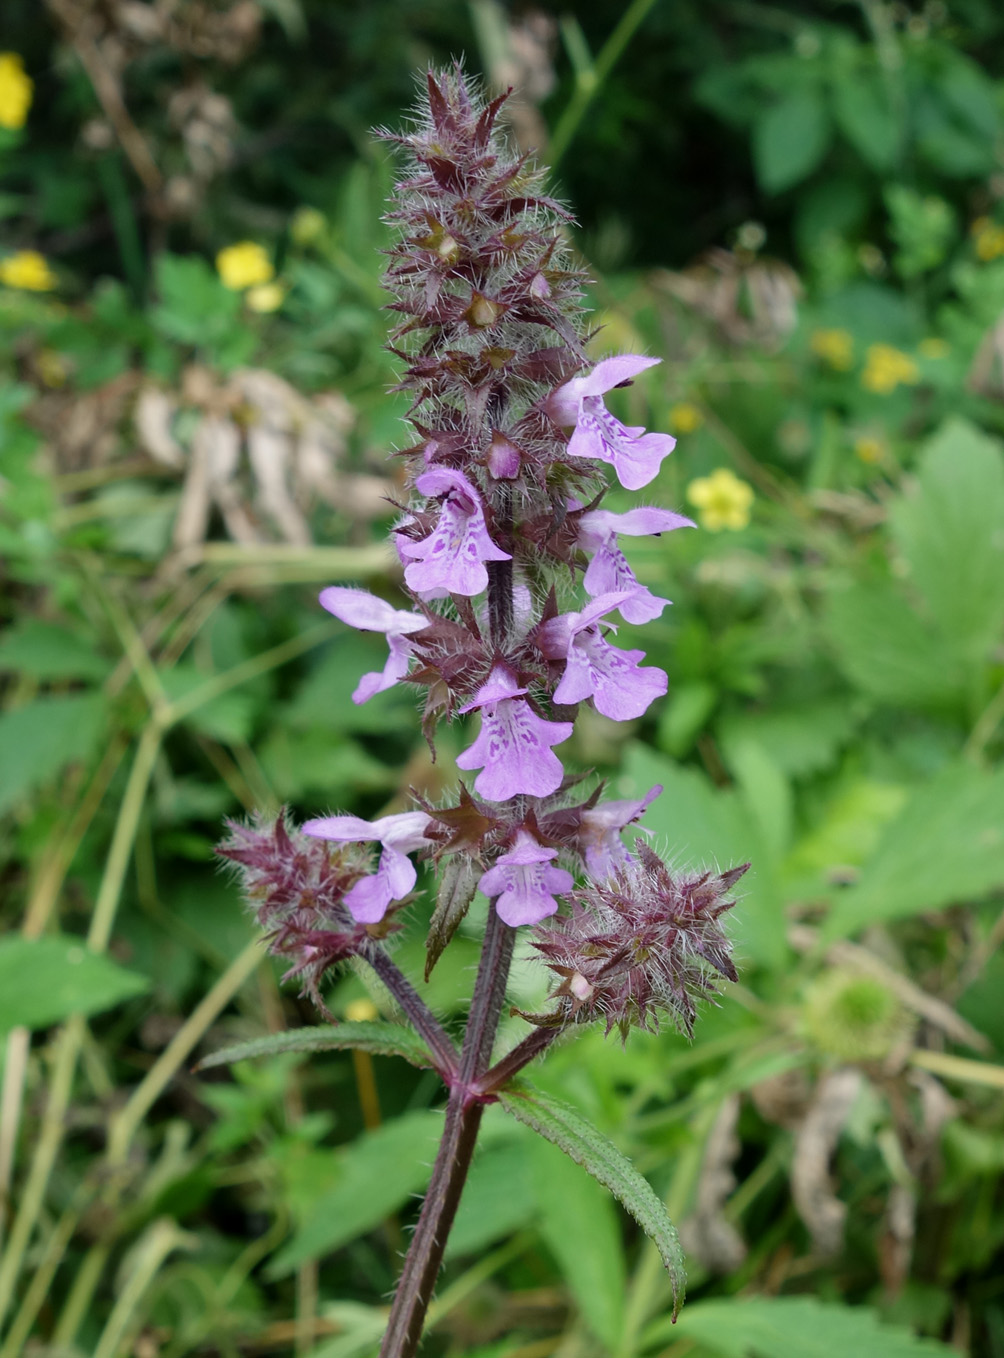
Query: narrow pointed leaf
point(381, 1039)
point(589, 1148)
point(458, 884)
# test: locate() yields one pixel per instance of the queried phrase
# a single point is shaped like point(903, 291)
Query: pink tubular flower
point(609, 571)
point(635, 455)
point(600, 833)
point(451, 559)
point(395, 875)
point(619, 688)
point(513, 747)
point(525, 883)
point(367, 613)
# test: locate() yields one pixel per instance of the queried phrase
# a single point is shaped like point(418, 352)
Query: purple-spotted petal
point(451, 559)
point(513, 751)
point(501, 683)
point(609, 572)
point(525, 883)
point(622, 690)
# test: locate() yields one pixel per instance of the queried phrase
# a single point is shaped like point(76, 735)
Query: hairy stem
point(503, 1071)
point(418, 1013)
point(464, 1111)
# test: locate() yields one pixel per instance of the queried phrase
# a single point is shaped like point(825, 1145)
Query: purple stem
point(419, 1014)
point(503, 1071)
point(464, 1110)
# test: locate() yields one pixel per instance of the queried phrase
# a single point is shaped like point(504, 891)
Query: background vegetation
point(798, 207)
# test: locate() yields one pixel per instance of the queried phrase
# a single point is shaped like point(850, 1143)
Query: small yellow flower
point(988, 239)
point(361, 1011)
point(932, 347)
point(685, 417)
point(265, 297)
point(722, 500)
point(51, 368)
point(870, 448)
point(15, 91)
point(885, 368)
point(835, 347)
point(244, 265)
point(308, 225)
point(27, 270)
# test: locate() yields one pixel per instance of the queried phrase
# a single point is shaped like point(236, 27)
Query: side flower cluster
point(299, 890)
point(508, 470)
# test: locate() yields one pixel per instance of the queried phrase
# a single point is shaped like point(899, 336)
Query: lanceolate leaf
point(458, 884)
point(793, 1327)
point(382, 1039)
point(589, 1148)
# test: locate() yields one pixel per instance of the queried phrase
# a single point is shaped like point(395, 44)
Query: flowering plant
point(512, 432)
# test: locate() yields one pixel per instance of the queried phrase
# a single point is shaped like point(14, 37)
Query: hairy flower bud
point(644, 944)
point(296, 887)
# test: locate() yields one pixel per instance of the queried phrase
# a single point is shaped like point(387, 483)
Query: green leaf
point(888, 652)
point(580, 1226)
point(382, 1039)
point(41, 738)
point(581, 1141)
point(803, 738)
point(946, 845)
point(379, 1173)
point(863, 115)
point(951, 534)
point(790, 139)
point(44, 650)
point(458, 885)
point(45, 980)
point(792, 1327)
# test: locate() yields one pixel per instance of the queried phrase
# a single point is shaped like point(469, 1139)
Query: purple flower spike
point(513, 747)
point(451, 559)
point(619, 688)
point(395, 875)
point(525, 883)
point(609, 571)
point(635, 455)
point(600, 833)
point(367, 613)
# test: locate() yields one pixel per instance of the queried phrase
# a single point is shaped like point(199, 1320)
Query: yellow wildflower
point(933, 347)
point(51, 368)
point(265, 297)
point(722, 500)
point(15, 91)
point(835, 347)
point(685, 417)
point(27, 270)
point(870, 448)
point(885, 368)
point(988, 239)
point(308, 226)
point(244, 265)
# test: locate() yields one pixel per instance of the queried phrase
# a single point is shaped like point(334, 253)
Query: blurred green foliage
point(797, 206)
